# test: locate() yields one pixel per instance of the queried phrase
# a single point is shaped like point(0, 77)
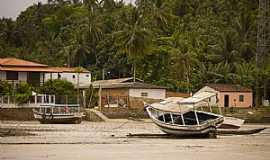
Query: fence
point(7, 101)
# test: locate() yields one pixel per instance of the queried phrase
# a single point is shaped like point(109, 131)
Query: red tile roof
point(19, 65)
point(229, 88)
point(19, 62)
point(29, 69)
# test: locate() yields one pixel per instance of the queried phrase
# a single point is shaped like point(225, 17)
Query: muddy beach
point(108, 140)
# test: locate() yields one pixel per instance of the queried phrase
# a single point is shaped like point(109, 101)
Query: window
point(59, 76)
point(241, 98)
point(73, 76)
point(12, 76)
point(87, 75)
point(144, 94)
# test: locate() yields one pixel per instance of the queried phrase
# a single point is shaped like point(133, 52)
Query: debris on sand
point(7, 132)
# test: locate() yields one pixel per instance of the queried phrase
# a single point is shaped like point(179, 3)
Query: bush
point(23, 93)
point(58, 87)
point(5, 88)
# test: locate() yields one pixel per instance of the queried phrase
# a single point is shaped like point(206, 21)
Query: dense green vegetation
point(22, 93)
point(181, 44)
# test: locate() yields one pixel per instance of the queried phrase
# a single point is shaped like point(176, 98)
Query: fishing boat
point(58, 114)
point(231, 123)
point(181, 117)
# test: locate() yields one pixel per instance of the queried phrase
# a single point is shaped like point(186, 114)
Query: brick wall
point(19, 114)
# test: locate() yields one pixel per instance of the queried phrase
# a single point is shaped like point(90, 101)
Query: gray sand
point(107, 140)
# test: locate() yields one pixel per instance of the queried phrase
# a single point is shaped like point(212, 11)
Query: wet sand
point(107, 140)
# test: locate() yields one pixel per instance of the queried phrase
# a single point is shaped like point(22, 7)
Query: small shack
point(127, 93)
point(229, 95)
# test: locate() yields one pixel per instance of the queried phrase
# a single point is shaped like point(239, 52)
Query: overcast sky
point(12, 8)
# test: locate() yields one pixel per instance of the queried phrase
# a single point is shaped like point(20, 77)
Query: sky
point(12, 8)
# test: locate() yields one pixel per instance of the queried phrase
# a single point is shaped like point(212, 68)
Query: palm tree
point(226, 50)
point(133, 39)
point(93, 26)
point(245, 74)
point(78, 70)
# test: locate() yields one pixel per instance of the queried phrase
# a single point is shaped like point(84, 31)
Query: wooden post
point(182, 116)
point(99, 97)
point(163, 117)
point(209, 107)
point(171, 117)
point(196, 116)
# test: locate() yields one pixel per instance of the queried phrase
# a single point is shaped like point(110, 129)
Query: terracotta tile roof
point(229, 88)
point(15, 64)
point(29, 69)
point(68, 69)
point(19, 62)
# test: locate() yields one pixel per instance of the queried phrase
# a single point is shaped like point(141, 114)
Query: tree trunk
point(134, 72)
point(78, 88)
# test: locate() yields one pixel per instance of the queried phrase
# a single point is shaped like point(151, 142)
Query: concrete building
point(124, 92)
point(229, 95)
point(71, 75)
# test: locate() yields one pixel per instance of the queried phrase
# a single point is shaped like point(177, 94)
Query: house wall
point(3, 75)
point(212, 100)
point(84, 78)
point(151, 93)
point(114, 96)
point(234, 99)
point(22, 76)
point(42, 77)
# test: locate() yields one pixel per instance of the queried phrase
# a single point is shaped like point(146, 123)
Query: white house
point(16, 70)
point(72, 76)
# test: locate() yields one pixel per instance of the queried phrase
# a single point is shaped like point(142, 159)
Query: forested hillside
point(181, 44)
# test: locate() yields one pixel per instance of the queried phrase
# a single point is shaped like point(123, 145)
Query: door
point(226, 100)
point(33, 78)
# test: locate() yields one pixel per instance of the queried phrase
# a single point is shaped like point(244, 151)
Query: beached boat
point(58, 114)
point(181, 117)
point(231, 123)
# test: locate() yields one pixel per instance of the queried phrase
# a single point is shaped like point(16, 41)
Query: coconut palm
point(226, 50)
point(245, 74)
point(133, 39)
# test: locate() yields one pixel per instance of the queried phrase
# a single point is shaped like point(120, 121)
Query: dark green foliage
point(5, 88)
point(181, 44)
point(23, 93)
point(58, 87)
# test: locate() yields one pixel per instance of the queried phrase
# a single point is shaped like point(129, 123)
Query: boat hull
point(204, 128)
point(58, 118)
point(179, 130)
point(231, 123)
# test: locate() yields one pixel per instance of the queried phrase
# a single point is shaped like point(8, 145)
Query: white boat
point(180, 116)
point(58, 114)
point(232, 123)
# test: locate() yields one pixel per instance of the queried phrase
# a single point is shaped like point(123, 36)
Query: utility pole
point(262, 42)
